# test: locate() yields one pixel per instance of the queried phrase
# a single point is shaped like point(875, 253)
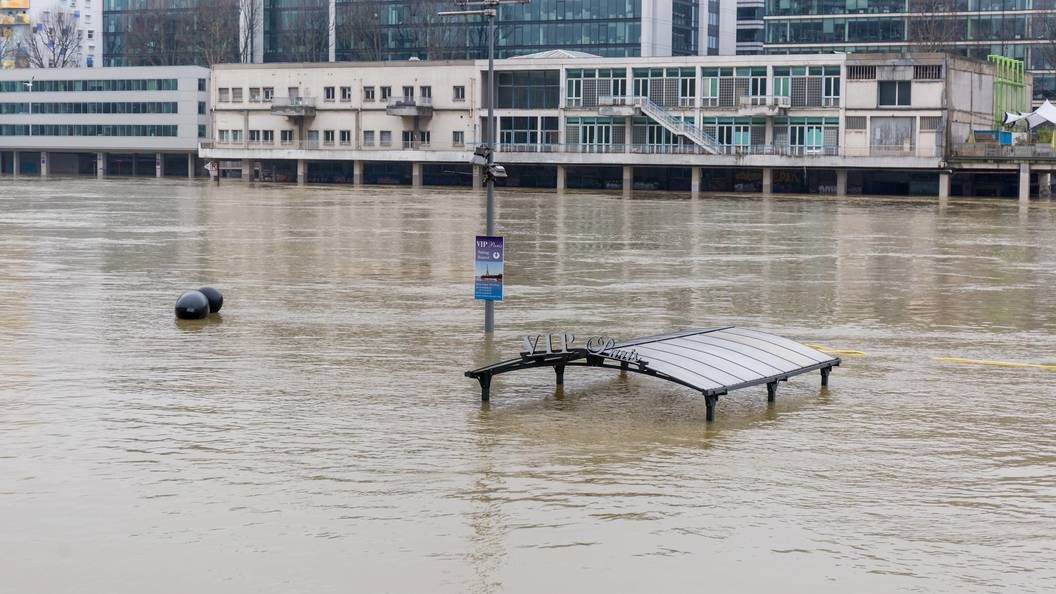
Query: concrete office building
point(1020, 29)
point(103, 121)
point(829, 123)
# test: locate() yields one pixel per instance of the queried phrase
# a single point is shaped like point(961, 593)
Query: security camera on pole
point(484, 157)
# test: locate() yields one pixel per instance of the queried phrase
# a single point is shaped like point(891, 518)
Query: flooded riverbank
point(320, 436)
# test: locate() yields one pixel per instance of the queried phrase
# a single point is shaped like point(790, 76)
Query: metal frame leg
point(559, 370)
point(709, 402)
point(771, 391)
point(485, 388)
point(825, 371)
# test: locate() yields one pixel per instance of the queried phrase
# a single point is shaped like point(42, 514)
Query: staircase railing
point(671, 122)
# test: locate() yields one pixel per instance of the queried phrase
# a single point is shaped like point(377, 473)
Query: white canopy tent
point(1046, 114)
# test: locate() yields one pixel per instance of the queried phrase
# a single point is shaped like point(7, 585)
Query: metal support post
point(559, 370)
point(771, 391)
point(709, 402)
point(825, 371)
point(489, 306)
point(485, 387)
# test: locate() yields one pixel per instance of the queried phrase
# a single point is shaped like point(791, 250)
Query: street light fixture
point(484, 155)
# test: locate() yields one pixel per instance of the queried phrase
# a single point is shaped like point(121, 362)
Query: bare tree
point(308, 40)
point(55, 42)
point(158, 37)
point(214, 36)
point(358, 31)
point(935, 30)
point(251, 22)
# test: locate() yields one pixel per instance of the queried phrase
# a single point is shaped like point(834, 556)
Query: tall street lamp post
point(484, 155)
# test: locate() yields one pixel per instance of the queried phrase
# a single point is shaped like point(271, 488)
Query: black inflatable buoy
point(216, 299)
point(192, 305)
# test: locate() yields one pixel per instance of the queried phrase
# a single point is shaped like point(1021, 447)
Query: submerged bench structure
point(713, 361)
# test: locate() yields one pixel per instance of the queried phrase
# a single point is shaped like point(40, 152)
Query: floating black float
point(216, 298)
point(192, 305)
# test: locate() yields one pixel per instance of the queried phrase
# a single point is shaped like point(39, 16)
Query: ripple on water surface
point(320, 434)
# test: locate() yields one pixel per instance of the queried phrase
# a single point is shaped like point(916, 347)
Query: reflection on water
point(322, 438)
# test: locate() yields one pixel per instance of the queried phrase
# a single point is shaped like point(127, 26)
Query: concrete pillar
point(944, 185)
point(768, 133)
point(159, 165)
point(768, 180)
point(43, 163)
point(841, 182)
point(100, 165)
point(694, 180)
point(1045, 184)
point(302, 171)
point(1024, 182)
point(247, 170)
point(628, 177)
point(16, 164)
point(477, 183)
point(561, 182)
point(416, 174)
point(192, 165)
point(628, 136)
point(357, 173)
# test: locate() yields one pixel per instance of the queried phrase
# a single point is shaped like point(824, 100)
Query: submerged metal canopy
point(713, 361)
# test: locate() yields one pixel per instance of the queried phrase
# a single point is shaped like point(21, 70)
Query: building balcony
point(418, 107)
point(293, 107)
point(763, 105)
point(1003, 152)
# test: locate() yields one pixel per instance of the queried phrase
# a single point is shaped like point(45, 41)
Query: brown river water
point(320, 436)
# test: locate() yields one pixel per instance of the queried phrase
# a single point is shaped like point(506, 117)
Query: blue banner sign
point(488, 268)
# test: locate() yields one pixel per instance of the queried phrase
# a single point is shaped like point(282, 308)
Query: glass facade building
point(1020, 29)
point(170, 32)
point(296, 30)
point(402, 29)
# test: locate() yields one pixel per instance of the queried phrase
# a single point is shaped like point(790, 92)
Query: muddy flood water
point(320, 436)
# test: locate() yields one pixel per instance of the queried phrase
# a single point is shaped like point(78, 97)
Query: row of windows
point(96, 107)
point(382, 138)
point(332, 94)
point(874, 7)
point(88, 130)
point(67, 86)
point(933, 29)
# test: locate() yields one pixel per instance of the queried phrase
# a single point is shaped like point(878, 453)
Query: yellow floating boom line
point(831, 351)
point(1045, 366)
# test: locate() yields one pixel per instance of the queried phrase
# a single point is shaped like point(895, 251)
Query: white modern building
point(829, 123)
point(100, 121)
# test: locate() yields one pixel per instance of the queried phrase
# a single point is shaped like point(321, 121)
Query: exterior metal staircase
point(676, 125)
